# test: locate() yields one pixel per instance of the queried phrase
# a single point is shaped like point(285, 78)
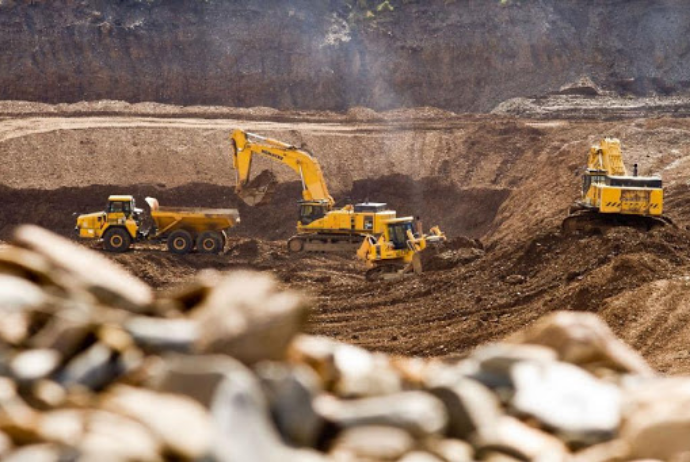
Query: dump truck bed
point(193, 219)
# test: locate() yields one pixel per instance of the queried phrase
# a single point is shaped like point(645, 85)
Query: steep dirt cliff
point(462, 55)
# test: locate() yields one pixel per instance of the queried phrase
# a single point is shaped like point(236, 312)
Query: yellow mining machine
point(611, 197)
point(322, 227)
point(182, 228)
point(397, 251)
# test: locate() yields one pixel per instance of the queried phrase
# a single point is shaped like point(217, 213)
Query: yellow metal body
point(607, 187)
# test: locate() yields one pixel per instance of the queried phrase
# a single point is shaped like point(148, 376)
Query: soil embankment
point(466, 55)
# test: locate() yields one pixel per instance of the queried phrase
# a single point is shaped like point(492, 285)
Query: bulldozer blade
point(259, 191)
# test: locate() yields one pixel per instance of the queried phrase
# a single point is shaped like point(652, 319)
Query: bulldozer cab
point(310, 211)
point(398, 234)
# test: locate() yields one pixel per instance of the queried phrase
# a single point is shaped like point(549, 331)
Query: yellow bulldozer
point(397, 250)
point(321, 226)
point(611, 197)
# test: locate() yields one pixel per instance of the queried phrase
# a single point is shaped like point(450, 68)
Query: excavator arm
point(246, 145)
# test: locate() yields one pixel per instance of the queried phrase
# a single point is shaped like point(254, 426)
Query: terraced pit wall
point(461, 55)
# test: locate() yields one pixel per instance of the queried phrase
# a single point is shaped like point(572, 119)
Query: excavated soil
point(503, 180)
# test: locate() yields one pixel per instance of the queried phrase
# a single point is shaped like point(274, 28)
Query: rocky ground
point(96, 364)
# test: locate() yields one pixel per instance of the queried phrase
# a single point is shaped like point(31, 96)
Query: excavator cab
point(310, 211)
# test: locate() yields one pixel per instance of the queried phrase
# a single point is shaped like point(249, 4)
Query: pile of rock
point(95, 365)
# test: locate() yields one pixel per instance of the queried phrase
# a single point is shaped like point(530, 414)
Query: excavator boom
point(256, 192)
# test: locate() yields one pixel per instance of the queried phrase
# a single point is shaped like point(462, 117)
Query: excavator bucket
point(259, 191)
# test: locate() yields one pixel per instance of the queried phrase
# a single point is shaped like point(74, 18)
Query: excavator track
point(590, 221)
point(324, 243)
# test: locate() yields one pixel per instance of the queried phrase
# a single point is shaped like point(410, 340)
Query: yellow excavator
point(321, 226)
point(611, 197)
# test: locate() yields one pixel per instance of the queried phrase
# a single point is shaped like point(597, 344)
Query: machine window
point(398, 234)
point(115, 207)
point(309, 213)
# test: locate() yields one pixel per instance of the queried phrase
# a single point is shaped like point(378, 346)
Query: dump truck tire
point(117, 240)
point(210, 242)
point(180, 242)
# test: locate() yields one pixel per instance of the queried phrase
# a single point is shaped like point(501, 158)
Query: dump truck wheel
point(209, 242)
point(295, 245)
point(117, 240)
point(180, 242)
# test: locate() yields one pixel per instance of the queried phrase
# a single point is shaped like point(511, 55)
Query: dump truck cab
point(120, 211)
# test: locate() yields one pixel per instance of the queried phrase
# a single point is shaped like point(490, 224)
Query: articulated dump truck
point(183, 229)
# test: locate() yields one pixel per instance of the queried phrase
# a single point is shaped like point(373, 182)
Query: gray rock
point(18, 294)
point(17, 298)
point(244, 431)
point(19, 421)
point(290, 392)
point(181, 424)
point(615, 450)
point(99, 275)
point(657, 420)
point(346, 370)
point(585, 340)
point(5, 445)
point(66, 426)
point(158, 335)
point(452, 450)
point(471, 408)
point(14, 327)
point(247, 317)
point(371, 443)
point(417, 412)
point(31, 365)
point(64, 333)
point(195, 376)
point(567, 399)
point(109, 436)
point(37, 453)
point(493, 363)
point(517, 440)
point(48, 393)
point(499, 358)
point(496, 456)
point(92, 368)
point(420, 456)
